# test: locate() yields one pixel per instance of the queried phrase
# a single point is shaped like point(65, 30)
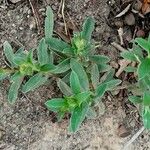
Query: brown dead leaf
point(146, 6)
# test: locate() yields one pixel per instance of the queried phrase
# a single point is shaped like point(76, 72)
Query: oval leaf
point(75, 83)
point(34, 82)
point(95, 75)
point(79, 70)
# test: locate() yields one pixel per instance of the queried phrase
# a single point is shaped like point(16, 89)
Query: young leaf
point(88, 28)
point(112, 84)
point(143, 43)
point(49, 23)
point(8, 51)
point(144, 68)
point(104, 68)
point(83, 97)
point(79, 70)
point(3, 74)
point(34, 82)
point(75, 83)
point(65, 89)
point(13, 90)
point(128, 55)
point(95, 75)
point(100, 90)
point(78, 116)
point(62, 67)
point(15, 76)
point(146, 118)
point(57, 45)
point(42, 52)
point(56, 104)
point(99, 59)
point(60, 116)
point(30, 56)
point(47, 67)
point(135, 99)
point(146, 99)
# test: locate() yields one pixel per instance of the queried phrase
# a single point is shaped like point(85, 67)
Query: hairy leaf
point(95, 75)
point(135, 99)
point(100, 90)
point(62, 67)
point(78, 116)
point(88, 28)
point(112, 84)
point(49, 23)
point(56, 104)
point(13, 90)
point(34, 82)
point(128, 55)
point(79, 70)
point(146, 118)
point(143, 43)
point(47, 67)
point(8, 51)
point(99, 59)
point(57, 45)
point(3, 74)
point(75, 83)
point(130, 69)
point(144, 68)
point(42, 52)
point(65, 89)
point(146, 99)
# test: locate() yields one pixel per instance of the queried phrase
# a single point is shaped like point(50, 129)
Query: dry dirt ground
point(28, 125)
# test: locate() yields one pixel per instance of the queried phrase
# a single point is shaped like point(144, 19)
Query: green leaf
point(146, 99)
point(107, 76)
point(83, 97)
point(62, 67)
point(128, 55)
point(143, 43)
point(144, 68)
point(19, 59)
point(3, 74)
point(104, 68)
point(75, 83)
point(112, 84)
point(49, 23)
point(8, 51)
point(60, 116)
point(130, 69)
point(34, 82)
point(47, 67)
point(15, 76)
point(99, 59)
point(79, 70)
point(146, 118)
point(88, 28)
point(65, 89)
point(135, 99)
point(13, 90)
point(95, 75)
point(56, 104)
point(42, 52)
point(78, 116)
point(100, 90)
point(149, 38)
point(57, 45)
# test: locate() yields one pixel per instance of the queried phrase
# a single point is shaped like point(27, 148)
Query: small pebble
point(123, 131)
point(140, 33)
point(138, 5)
point(129, 19)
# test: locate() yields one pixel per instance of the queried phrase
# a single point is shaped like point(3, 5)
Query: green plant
point(82, 95)
point(141, 55)
point(21, 65)
point(82, 76)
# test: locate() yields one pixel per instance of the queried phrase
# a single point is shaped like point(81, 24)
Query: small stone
point(32, 23)
point(15, 1)
point(138, 5)
point(129, 19)
point(123, 131)
point(119, 23)
point(140, 33)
